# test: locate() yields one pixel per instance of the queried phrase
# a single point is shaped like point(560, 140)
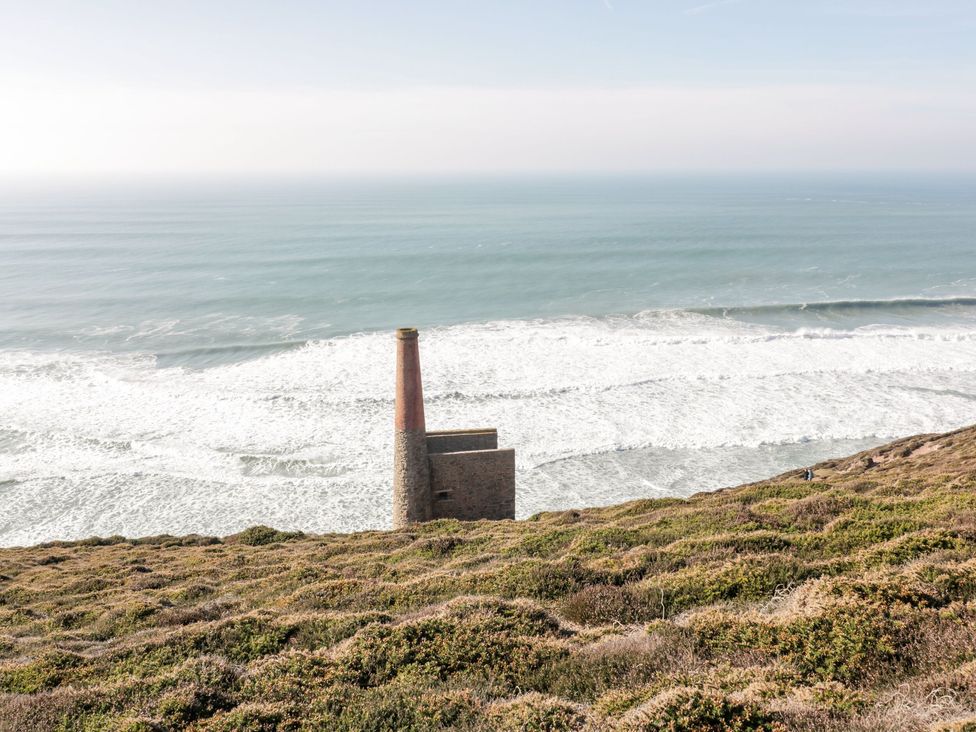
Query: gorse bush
point(691, 709)
point(259, 535)
point(843, 603)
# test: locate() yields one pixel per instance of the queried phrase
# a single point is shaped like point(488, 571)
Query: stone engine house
point(459, 474)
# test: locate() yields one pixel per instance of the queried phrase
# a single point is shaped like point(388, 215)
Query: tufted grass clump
point(261, 535)
point(843, 603)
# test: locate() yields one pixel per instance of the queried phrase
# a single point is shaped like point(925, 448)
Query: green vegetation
point(845, 603)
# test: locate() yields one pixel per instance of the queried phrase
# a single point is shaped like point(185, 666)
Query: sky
point(371, 87)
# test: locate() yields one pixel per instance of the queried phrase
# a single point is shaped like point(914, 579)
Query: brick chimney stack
point(411, 478)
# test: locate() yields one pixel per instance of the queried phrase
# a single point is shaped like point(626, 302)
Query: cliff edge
point(847, 602)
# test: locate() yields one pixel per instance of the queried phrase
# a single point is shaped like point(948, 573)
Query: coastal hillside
point(847, 602)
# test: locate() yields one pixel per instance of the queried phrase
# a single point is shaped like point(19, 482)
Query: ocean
point(202, 357)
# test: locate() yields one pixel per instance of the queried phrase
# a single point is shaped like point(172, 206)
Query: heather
point(843, 603)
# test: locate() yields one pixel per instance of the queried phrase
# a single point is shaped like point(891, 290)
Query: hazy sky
point(178, 87)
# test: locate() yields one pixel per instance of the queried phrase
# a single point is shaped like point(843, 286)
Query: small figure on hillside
point(808, 474)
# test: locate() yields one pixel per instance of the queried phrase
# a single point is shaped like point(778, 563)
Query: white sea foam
point(600, 410)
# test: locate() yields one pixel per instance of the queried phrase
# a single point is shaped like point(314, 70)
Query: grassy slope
point(845, 603)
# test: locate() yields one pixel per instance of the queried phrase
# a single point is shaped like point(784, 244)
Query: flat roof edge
point(473, 431)
point(434, 455)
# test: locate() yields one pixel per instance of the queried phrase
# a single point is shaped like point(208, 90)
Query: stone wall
point(472, 485)
point(411, 481)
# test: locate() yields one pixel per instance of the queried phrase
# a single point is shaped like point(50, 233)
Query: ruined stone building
point(449, 474)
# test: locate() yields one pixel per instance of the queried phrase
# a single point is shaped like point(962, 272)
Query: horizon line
point(343, 175)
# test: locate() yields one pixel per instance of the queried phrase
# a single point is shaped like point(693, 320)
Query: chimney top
point(406, 333)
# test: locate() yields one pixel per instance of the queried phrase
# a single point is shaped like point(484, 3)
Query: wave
point(598, 409)
point(268, 465)
point(210, 355)
point(217, 339)
point(840, 306)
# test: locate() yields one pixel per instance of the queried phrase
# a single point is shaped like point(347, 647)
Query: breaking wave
point(894, 304)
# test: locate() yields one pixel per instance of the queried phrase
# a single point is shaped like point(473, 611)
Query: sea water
point(202, 357)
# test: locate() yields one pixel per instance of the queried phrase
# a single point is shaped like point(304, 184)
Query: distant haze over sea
point(200, 358)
